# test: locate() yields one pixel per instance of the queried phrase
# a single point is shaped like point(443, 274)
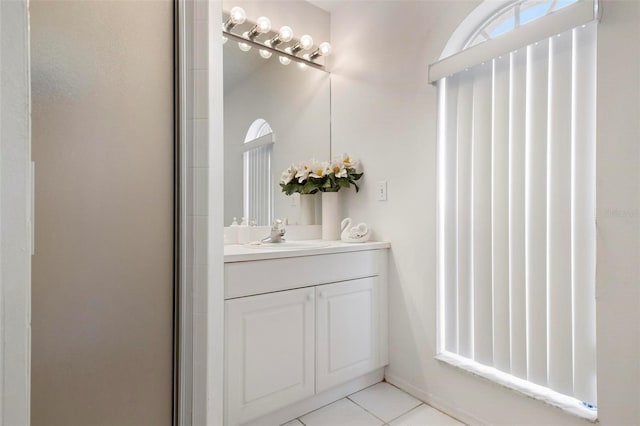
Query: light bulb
point(265, 53)
point(301, 65)
point(264, 25)
point(283, 59)
point(237, 15)
point(325, 49)
point(245, 47)
point(306, 42)
point(285, 34)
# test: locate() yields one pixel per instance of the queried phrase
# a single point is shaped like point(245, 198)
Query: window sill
point(566, 403)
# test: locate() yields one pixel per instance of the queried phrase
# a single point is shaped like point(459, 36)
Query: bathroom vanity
point(304, 327)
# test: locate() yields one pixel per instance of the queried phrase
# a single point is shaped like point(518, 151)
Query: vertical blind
point(258, 191)
point(516, 213)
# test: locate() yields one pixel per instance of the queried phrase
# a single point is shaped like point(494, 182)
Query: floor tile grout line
point(407, 412)
point(395, 418)
point(421, 403)
point(364, 389)
point(360, 406)
point(319, 408)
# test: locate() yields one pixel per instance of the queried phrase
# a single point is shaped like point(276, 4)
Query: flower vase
point(330, 216)
point(307, 209)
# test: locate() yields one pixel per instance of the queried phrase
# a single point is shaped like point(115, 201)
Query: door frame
point(16, 207)
point(199, 332)
point(177, 189)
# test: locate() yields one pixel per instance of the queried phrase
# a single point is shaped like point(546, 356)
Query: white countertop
point(241, 253)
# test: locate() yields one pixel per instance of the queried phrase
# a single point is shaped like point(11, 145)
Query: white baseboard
point(436, 402)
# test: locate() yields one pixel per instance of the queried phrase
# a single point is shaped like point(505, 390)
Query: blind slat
point(463, 215)
point(536, 211)
point(559, 215)
point(584, 207)
point(517, 277)
point(500, 214)
point(481, 221)
point(450, 234)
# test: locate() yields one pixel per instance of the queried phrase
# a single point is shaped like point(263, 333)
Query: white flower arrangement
point(321, 176)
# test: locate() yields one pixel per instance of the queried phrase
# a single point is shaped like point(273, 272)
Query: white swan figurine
point(356, 234)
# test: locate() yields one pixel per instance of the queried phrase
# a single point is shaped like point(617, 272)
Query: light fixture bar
point(275, 51)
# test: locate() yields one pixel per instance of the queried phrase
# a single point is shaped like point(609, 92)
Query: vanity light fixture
point(285, 34)
point(305, 43)
point(280, 42)
point(323, 50)
point(237, 16)
point(263, 25)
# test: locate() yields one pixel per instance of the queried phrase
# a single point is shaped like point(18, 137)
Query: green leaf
point(343, 183)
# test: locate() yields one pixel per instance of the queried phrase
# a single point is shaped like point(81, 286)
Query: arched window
point(516, 198)
point(257, 129)
point(258, 181)
point(514, 15)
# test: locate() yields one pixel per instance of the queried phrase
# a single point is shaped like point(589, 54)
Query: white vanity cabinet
point(270, 352)
point(348, 335)
point(301, 325)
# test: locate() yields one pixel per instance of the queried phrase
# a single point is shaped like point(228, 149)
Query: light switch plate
point(381, 191)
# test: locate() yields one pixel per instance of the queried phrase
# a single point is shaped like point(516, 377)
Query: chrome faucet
point(277, 233)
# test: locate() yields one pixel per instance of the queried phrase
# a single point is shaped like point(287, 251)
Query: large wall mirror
point(274, 115)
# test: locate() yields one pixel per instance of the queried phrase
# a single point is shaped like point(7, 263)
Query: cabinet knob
point(310, 297)
point(323, 295)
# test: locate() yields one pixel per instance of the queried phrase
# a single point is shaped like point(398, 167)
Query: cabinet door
point(270, 352)
point(347, 331)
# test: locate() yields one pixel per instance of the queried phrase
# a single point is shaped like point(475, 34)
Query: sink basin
point(290, 245)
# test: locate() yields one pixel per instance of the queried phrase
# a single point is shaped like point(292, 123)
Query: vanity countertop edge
point(240, 253)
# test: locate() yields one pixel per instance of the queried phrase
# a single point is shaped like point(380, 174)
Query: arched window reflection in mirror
point(257, 177)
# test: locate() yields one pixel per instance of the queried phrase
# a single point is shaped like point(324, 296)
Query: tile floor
point(378, 405)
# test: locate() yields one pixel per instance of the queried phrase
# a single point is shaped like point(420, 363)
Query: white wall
point(384, 112)
point(618, 214)
point(15, 214)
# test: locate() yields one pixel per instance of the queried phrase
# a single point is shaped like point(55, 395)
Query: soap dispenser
point(244, 232)
point(231, 233)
